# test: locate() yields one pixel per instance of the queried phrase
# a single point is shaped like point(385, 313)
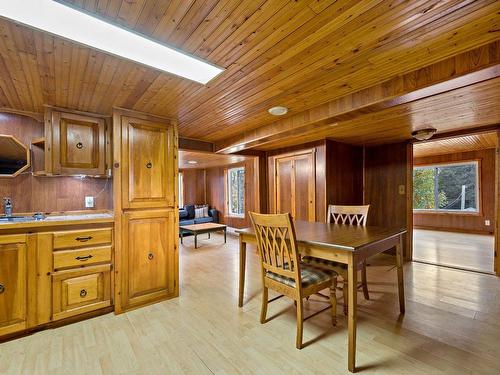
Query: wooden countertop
point(59, 220)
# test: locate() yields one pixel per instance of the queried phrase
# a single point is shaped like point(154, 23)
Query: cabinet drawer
point(79, 291)
point(81, 257)
point(81, 238)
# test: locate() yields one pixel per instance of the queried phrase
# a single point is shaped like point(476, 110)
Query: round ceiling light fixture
point(192, 162)
point(423, 134)
point(278, 111)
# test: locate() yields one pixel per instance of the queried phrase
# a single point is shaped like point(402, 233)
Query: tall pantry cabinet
point(146, 213)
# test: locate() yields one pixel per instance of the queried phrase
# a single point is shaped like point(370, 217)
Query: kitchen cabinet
point(147, 156)
point(75, 143)
point(13, 283)
point(146, 213)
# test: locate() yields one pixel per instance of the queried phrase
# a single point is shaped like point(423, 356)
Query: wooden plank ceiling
point(296, 53)
point(474, 142)
point(208, 160)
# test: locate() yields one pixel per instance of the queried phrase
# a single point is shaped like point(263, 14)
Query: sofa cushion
point(190, 209)
point(186, 222)
point(183, 214)
point(202, 220)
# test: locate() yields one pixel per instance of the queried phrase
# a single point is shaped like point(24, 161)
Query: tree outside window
point(236, 191)
point(450, 187)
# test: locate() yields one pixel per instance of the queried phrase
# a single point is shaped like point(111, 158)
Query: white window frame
point(180, 190)
point(452, 164)
point(228, 189)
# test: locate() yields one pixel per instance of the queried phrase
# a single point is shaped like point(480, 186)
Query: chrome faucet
point(7, 206)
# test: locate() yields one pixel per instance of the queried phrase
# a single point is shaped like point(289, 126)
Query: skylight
point(69, 23)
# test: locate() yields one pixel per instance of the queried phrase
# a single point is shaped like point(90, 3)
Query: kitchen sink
point(16, 219)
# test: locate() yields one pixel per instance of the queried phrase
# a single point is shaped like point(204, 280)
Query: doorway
point(454, 201)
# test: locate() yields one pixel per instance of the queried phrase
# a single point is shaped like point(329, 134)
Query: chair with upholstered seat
point(346, 215)
point(282, 270)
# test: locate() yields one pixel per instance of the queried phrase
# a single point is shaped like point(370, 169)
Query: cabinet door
point(78, 144)
point(294, 185)
point(147, 164)
point(13, 298)
point(149, 257)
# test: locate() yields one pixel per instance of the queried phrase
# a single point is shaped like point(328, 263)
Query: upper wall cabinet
point(76, 143)
point(147, 149)
point(14, 156)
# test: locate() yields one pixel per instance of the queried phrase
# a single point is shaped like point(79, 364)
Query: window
point(450, 187)
point(236, 192)
point(181, 190)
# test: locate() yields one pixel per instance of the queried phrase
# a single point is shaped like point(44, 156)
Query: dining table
point(346, 244)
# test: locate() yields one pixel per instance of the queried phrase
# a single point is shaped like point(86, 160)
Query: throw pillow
point(198, 213)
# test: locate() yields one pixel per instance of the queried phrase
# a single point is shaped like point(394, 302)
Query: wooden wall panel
point(194, 184)
point(48, 194)
point(344, 174)
point(386, 172)
point(464, 222)
point(216, 181)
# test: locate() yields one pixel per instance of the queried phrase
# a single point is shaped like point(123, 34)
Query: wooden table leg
point(399, 265)
point(195, 240)
point(352, 273)
point(243, 257)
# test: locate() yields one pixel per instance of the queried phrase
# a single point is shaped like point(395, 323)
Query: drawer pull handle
point(87, 257)
point(83, 293)
point(83, 239)
point(2, 289)
point(149, 165)
point(79, 145)
point(150, 256)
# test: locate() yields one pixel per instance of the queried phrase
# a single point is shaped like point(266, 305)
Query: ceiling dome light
point(192, 162)
point(423, 134)
point(278, 111)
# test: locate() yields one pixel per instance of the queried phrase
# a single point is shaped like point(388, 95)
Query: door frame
point(496, 229)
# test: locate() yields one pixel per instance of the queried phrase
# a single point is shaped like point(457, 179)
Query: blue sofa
point(186, 216)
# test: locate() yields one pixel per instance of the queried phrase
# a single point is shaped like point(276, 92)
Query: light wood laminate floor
point(451, 326)
point(463, 250)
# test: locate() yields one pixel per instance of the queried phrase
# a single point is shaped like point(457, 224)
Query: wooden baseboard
point(454, 230)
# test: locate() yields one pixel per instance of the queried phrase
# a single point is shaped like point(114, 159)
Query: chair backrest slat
point(350, 215)
point(277, 244)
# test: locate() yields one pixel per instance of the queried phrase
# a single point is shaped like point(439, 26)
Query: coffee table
point(201, 228)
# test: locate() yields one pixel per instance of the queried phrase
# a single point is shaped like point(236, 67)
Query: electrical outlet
point(401, 190)
point(89, 202)
point(487, 223)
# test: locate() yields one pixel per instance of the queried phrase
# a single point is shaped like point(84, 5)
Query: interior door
point(147, 180)
point(79, 144)
point(12, 285)
point(149, 259)
point(295, 185)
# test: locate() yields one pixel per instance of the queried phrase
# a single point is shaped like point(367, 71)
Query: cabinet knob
point(149, 165)
point(79, 145)
point(83, 293)
point(150, 256)
point(2, 289)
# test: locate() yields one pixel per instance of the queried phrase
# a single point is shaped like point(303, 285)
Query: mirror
point(14, 156)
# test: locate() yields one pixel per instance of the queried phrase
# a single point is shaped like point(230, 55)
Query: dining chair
point(347, 215)
point(282, 270)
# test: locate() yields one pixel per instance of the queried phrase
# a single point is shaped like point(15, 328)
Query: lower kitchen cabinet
point(13, 283)
point(148, 257)
point(78, 291)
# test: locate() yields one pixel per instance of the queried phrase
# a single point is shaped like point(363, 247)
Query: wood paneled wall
point(344, 174)
point(388, 187)
point(194, 184)
point(48, 194)
point(216, 180)
point(339, 174)
point(457, 221)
